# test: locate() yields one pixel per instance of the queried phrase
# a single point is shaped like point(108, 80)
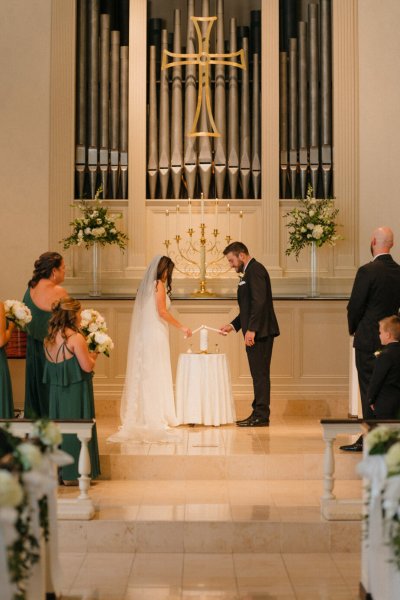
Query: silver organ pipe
point(307, 25)
point(213, 166)
point(102, 83)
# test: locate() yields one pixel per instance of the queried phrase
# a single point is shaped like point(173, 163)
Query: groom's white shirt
point(245, 266)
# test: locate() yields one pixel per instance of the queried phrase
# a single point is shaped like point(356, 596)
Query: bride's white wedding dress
point(147, 404)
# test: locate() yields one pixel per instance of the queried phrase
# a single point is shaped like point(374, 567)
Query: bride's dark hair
point(165, 265)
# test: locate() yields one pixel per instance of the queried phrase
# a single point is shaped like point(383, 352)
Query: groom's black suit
point(257, 314)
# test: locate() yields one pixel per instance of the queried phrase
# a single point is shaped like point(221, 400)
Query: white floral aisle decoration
point(381, 467)
point(25, 482)
point(312, 221)
point(94, 328)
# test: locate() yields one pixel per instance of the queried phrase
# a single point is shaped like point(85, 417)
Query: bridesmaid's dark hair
point(44, 266)
point(165, 265)
point(63, 317)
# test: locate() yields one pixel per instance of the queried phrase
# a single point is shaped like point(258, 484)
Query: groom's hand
point(226, 329)
point(249, 338)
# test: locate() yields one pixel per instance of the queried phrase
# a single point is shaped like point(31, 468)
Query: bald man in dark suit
point(375, 295)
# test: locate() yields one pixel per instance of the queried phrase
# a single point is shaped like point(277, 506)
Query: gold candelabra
point(202, 257)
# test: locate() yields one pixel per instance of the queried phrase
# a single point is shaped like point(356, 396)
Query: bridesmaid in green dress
point(6, 397)
point(43, 290)
point(68, 372)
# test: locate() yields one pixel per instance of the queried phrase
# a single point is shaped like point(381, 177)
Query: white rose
point(20, 312)
point(377, 435)
point(318, 232)
point(86, 315)
point(49, 434)
point(11, 493)
point(92, 327)
point(95, 213)
point(98, 231)
point(310, 226)
point(98, 221)
point(113, 230)
point(88, 231)
point(100, 337)
point(311, 213)
point(303, 230)
point(30, 456)
point(392, 458)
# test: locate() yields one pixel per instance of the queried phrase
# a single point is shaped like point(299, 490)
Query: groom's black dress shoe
point(245, 420)
point(356, 447)
point(254, 422)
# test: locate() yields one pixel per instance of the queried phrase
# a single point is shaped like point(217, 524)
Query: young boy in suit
point(384, 388)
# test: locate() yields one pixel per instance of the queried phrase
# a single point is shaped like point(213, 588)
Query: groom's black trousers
point(259, 357)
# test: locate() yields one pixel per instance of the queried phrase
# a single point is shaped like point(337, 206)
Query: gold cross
point(204, 59)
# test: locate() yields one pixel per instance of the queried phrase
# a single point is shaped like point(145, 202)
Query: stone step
point(266, 530)
point(306, 466)
point(209, 516)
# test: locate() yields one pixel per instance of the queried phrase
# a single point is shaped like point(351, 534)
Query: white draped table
point(203, 390)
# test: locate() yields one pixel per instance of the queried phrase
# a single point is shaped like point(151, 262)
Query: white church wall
point(25, 30)
point(379, 100)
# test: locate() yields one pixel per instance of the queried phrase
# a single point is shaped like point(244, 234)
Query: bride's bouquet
point(18, 313)
point(94, 328)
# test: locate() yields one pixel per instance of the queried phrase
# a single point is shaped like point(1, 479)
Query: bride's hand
point(186, 332)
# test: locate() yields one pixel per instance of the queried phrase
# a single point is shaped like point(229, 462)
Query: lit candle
point(177, 219)
point(216, 213)
point(202, 208)
point(203, 339)
point(190, 214)
point(166, 224)
point(240, 225)
point(228, 210)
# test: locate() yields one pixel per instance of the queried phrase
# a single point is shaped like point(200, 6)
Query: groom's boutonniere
point(241, 279)
point(377, 353)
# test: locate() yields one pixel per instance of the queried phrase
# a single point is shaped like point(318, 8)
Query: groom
point(259, 326)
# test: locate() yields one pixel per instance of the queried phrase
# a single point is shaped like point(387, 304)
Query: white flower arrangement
point(48, 433)
point(392, 459)
point(92, 320)
point(100, 342)
point(94, 328)
point(26, 465)
point(377, 438)
point(382, 468)
point(18, 313)
point(29, 456)
point(314, 222)
point(95, 226)
point(11, 492)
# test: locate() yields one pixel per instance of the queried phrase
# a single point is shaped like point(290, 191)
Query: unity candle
point(203, 339)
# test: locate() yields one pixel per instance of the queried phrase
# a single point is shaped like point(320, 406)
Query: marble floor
point(223, 513)
point(191, 576)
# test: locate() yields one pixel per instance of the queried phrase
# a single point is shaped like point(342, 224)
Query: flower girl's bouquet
point(100, 342)
point(18, 313)
point(94, 328)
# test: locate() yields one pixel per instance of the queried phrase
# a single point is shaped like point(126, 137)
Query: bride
point(147, 404)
